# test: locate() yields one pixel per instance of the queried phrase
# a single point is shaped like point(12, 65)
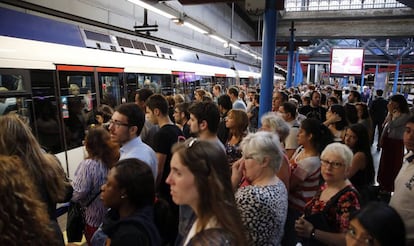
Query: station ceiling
point(393, 41)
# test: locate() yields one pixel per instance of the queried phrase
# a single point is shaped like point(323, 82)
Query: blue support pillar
point(362, 79)
point(291, 56)
point(397, 71)
point(268, 62)
point(345, 81)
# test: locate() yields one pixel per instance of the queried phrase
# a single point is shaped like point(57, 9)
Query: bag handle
point(93, 199)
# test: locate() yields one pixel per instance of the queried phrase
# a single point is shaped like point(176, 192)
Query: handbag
point(75, 222)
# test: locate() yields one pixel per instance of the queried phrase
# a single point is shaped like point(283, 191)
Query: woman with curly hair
point(45, 171)
point(91, 175)
point(237, 123)
point(23, 217)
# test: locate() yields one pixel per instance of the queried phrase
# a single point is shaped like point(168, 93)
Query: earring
point(123, 196)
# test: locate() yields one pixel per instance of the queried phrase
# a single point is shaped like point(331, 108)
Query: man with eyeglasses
point(403, 198)
point(125, 127)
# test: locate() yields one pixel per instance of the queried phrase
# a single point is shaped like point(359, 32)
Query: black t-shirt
point(310, 112)
point(164, 139)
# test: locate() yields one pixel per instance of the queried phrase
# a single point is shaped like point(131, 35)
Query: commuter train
point(47, 66)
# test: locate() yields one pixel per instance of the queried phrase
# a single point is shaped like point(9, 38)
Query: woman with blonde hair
point(200, 178)
point(16, 138)
point(237, 123)
point(23, 216)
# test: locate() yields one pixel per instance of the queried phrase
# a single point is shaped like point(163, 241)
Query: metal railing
point(321, 5)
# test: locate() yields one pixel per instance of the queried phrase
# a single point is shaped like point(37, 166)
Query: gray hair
point(277, 124)
point(263, 144)
point(341, 150)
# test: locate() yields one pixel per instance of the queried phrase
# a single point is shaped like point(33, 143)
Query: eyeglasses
point(333, 164)
point(117, 123)
point(364, 240)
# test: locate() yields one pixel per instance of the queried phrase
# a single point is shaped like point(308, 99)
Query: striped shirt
point(308, 170)
point(89, 177)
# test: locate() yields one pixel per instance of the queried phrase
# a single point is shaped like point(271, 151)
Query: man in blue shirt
point(125, 127)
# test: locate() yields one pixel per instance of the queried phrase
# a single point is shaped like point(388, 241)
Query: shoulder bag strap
point(93, 199)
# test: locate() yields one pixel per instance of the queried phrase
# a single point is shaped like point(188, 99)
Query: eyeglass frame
point(333, 164)
point(117, 123)
point(369, 240)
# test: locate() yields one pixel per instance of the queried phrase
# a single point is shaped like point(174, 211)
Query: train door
point(81, 89)
point(185, 83)
point(111, 86)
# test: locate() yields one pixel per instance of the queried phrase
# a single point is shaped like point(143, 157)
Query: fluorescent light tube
point(218, 38)
point(152, 9)
point(195, 28)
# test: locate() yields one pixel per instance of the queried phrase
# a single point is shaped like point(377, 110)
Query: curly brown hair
point(23, 217)
point(16, 138)
point(99, 146)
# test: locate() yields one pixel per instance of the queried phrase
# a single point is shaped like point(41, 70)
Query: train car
point(56, 74)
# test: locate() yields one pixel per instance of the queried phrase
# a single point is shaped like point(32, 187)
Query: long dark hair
point(208, 163)
point(321, 135)
point(363, 145)
point(340, 111)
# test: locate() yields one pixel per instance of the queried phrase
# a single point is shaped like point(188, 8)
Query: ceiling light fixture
point(195, 28)
point(217, 38)
point(153, 9)
point(235, 46)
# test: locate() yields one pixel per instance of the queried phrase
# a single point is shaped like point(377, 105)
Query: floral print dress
point(339, 209)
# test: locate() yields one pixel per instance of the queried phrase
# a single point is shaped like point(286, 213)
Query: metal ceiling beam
point(408, 3)
point(193, 2)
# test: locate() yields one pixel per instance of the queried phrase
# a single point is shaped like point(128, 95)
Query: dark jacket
point(378, 110)
point(137, 229)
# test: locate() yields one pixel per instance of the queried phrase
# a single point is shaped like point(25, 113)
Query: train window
point(166, 50)
point(14, 81)
point(124, 42)
point(97, 36)
point(111, 87)
point(138, 45)
point(150, 47)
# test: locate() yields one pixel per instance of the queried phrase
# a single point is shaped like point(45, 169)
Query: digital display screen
point(347, 61)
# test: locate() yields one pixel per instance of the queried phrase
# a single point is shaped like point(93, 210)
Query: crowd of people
point(163, 171)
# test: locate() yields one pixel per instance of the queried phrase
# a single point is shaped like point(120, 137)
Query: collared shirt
point(135, 148)
point(403, 197)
